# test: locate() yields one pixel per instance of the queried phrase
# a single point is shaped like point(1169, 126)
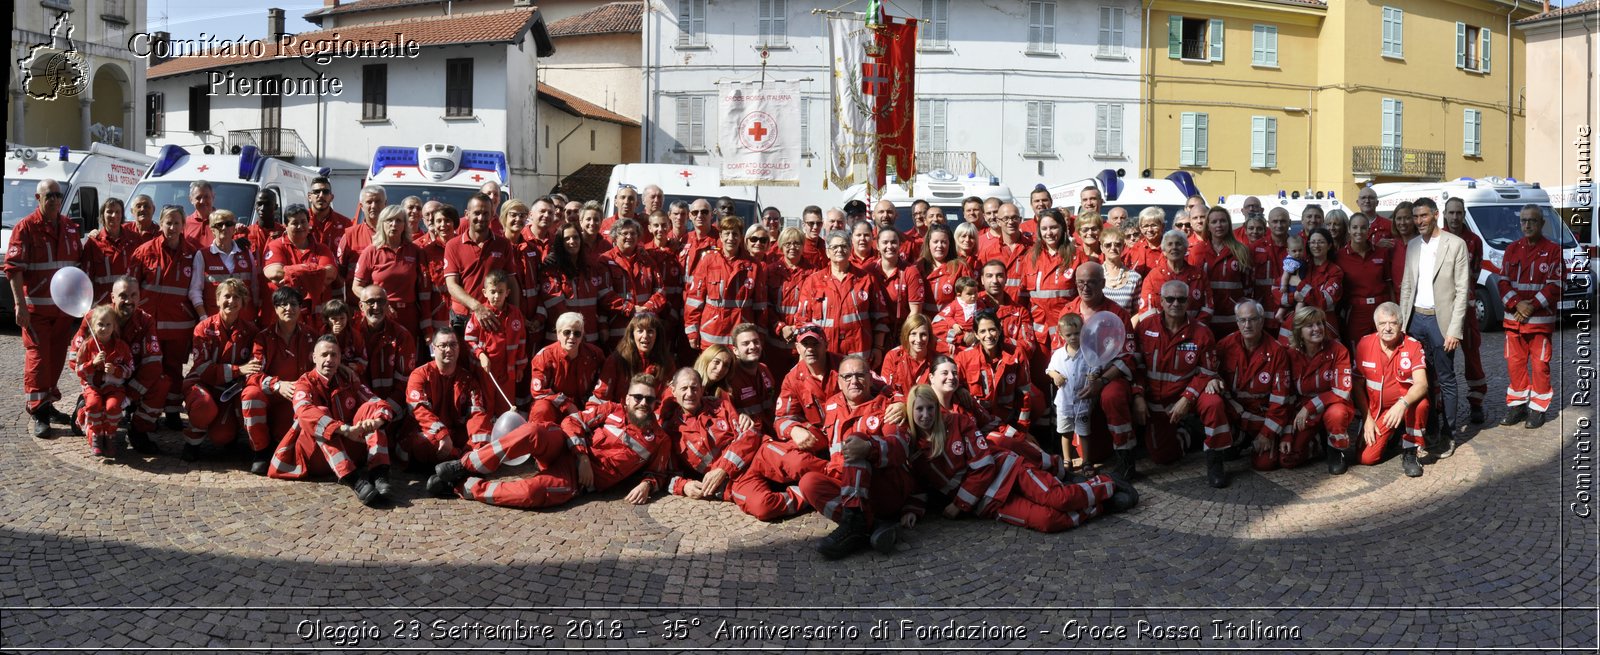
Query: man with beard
point(447, 406)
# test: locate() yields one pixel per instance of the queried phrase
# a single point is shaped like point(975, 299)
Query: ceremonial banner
point(852, 123)
point(874, 64)
point(761, 134)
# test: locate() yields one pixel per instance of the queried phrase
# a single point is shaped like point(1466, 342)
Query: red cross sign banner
point(873, 70)
point(761, 134)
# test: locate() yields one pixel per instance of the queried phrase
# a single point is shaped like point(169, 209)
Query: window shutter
point(1114, 137)
point(697, 122)
point(1047, 127)
point(1272, 46)
point(1105, 30)
point(1472, 133)
point(924, 112)
point(1186, 140)
point(1272, 143)
point(1461, 45)
point(1258, 142)
point(1034, 36)
point(1201, 139)
point(683, 123)
point(1117, 31)
point(1399, 123)
point(939, 137)
point(1047, 26)
point(763, 21)
point(1388, 31)
point(1216, 39)
point(805, 127)
point(1032, 140)
point(685, 25)
point(780, 21)
point(1466, 132)
point(1388, 123)
point(1102, 125)
point(1258, 45)
point(1483, 49)
point(1174, 37)
point(1399, 32)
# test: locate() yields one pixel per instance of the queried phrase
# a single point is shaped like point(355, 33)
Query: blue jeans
point(1443, 388)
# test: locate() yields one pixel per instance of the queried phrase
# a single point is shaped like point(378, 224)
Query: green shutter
point(1186, 140)
point(1483, 49)
point(1201, 139)
point(1272, 143)
point(1258, 142)
point(1461, 45)
point(1174, 37)
point(1216, 39)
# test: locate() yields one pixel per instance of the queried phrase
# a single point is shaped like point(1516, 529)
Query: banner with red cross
point(760, 134)
point(873, 128)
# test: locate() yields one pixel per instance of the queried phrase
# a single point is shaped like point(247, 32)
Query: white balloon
point(1103, 335)
point(72, 291)
point(508, 422)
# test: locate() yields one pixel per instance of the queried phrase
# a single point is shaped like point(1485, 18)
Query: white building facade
point(1029, 91)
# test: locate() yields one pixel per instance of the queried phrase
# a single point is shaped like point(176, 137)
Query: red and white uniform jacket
point(1258, 383)
point(725, 292)
point(754, 393)
point(1366, 277)
point(390, 353)
point(638, 279)
point(850, 311)
point(565, 383)
point(954, 321)
point(1200, 307)
point(802, 398)
point(670, 269)
point(975, 473)
point(219, 351)
point(213, 271)
point(105, 258)
point(783, 284)
point(941, 281)
point(617, 448)
point(1387, 377)
point(1011, 256)
point(506, 347)
point(615, 376)
point(448, 406)
point(696, 247)
point(142, 234)
point(1266, 267)
point(1172, 364)
point(1532, 271)
point(526, 258)
point(1001, 382)
point(138, 331)
point(305, 269)
point(710, 439)
point(1322, 379)
point(1047, 286)
point(588, 293)
point(436, 313)
point(903, 291)
point(95, 376)
point(282, 360)
point(1228, 280)
point(258, 237)
point(1320, 286)
point(840, 422)
point(901, 371)
point(1016, 321)
point(322, 406)
point(1142, 256)
point(164, 285)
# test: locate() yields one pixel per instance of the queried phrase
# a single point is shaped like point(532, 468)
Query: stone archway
point(108, 111)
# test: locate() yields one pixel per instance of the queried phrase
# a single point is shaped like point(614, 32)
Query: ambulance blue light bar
point(486, 160)
point(249, 162)
point(168, 159)
point(1110, 183)
point(1185, 183)
point(392, 156)
point(64, 153)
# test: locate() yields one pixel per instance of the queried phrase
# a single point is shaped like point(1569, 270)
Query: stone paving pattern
point(1363, 561)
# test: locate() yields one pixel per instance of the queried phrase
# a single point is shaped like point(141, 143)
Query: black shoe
point(41, 426)
point(141, 443)
point(365, 492)
point(259, 460)
point(851, 536)
point(72, 423)
point(1515, 416)
point(885, 536)
point(1122, 464)
point(99, 447)
point(446, 476)
point(1476, 417)
point(380, 481)
point(174, 421)
point(191, 452)
point(1336, 463)
point(1123, 496)
point(1216, 476)
point(1409, 463)
point(1443, 450)
point(1535, 420)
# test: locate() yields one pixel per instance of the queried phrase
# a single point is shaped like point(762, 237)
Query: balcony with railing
point(279, 142)
point(956, 162)
point(1397, 162)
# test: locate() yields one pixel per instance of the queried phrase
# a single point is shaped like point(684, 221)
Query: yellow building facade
point(1256, 96)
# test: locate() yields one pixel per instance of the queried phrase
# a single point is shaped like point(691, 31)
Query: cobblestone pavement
point(1482, 552)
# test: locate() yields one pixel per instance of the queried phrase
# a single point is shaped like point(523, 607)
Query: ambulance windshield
point(232, 196)
point(1499, 227)
point(19, 201)
point(456, 197)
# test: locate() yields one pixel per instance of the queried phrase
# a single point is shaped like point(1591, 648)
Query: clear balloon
point(507, 422)
point(71, 291)
point(1103, 336)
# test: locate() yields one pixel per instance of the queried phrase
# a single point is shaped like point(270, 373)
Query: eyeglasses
point(570, 333)
point(699, 211)
point(813, 223)
point(1175, 300)
point(838, 246)
point(852, 376)
point(319, 192)
point(224, 225)
point(54, 195)
point(641, 397)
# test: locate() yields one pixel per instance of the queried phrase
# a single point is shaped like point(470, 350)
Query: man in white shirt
point(1433, 300)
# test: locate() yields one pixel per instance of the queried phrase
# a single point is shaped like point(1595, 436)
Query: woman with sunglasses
point(1122, 282)
point(224, 259)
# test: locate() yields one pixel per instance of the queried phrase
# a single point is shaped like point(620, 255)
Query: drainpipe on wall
point(581, 121)
point(1150, 92)
point(1511, 78)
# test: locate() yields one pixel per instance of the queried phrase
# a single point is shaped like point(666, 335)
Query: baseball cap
point(810, 330)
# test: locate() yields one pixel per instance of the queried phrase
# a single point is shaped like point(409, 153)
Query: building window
point(115, 12)
point(458, 87)
point(772, 23)
point(1111, 33)
point(1472, 133)
point(932, 136)
point(374, 92)
point(1194, 39)
point(691, 23)
point(155, 114)
point(1193, 137)
point(1472, 48)
point(1393, 24)
point(691, 133)
point(1264, 46)
point(935, 33)
point(1041, 141)
point(1393, 122)
point(591, 141)
point(199, 109)
point(805, 129)
point(1042, 26)
point(1263, 142)
point(1108, 130)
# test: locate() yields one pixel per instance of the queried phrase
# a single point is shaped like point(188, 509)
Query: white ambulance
point(1170, 193)
point(941, 189)
point(1493, 205)
point(438, 171)
point(682, 182)
point(1292, 201)
point(235, 180)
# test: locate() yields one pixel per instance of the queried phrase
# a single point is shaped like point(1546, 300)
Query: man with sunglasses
point(42, 243)
point(1175, 361)
point(700, 241)
point(814, 252)
point(327, 225)
point(594, 450)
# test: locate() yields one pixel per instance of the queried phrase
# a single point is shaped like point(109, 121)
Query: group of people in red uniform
point(843, 365)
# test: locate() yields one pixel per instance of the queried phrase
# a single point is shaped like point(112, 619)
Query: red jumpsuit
point(147, 387)
point(941, 281)
point(400, 270)
point(849, 311)
point(638, 282)
point(1200, 307)
point(447, 415)
point(1257, 384)
point(1533, 270)
point(304, 269)
point(1322, 381)
point(879, 484)
point(259, 237)
point(901, 371)
point(508, 357)
point(588, 293)
point(1170, 365)
point(696, 247)
point(801, 400)
point(1011, 256)
point(783, 291)
point(616, 449)
point(469, 261)
point(1001, 382)
point(1320, 286)
point(1472, 336)
point(754, 392)
point(562, 386)
point(38, 248)
point(1387, 378)
point(313, 445)
point(267, 414)
point(104, 398)
point(761, 476)
point(219, 351)
point(903, 291)
point(105, 258)
point(164, 276)
point(1230, 282)
point(528, 257)
point(436, 313)
point(389, 353)
point(1016, 321)
point(1366, 285)
point(982, 477)
point(1266, 267)
point(724, 293)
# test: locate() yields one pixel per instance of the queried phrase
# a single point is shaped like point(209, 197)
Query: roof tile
point(1593, 6)
point(579, 107)
point(611, 18)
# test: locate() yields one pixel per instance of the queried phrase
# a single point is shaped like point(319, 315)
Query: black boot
point(259, 461)
point(885, 536)
point(173, 422)
point(1476, 417)
point(363, 488)
point(1535, 420)
point(1336, 463)
point(191, 452)
point(72, 420)
point(41, 426)
point(1409, 463)
point(1123, 496)
point(1216, 476)
point(852, 535)
point(1515, 416)
point(446, 476)
point(380, 481)
point(142, 444)
point(1122, 463)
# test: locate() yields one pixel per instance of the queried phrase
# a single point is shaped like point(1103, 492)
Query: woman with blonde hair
point(1122, 282)
point(910, 362)
point(1228, 271)
point(966, 236)
point(1321, 370)
point(1145, 251)
point(395, 263)
point(715, 365)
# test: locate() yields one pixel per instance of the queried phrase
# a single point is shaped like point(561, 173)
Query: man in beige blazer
point(1433, 307)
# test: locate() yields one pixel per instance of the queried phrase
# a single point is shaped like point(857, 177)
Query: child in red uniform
point(500, 352)
point(103, 366)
